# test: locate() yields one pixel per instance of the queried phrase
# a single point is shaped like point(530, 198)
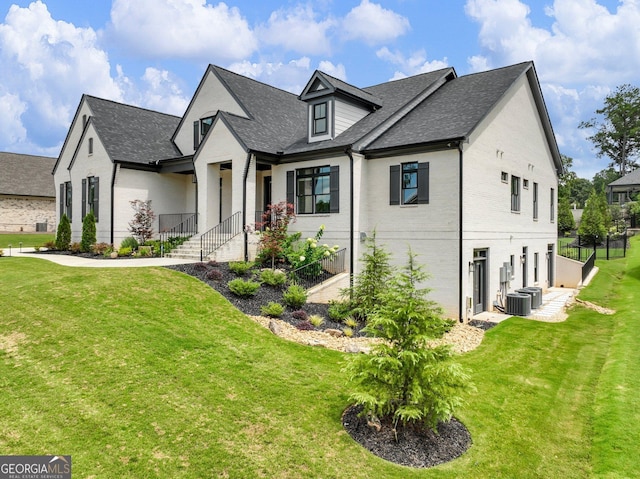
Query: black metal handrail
point(588, 266)
point(186, 228)
point(220, 234)
point(171, 220)
point(321, 270)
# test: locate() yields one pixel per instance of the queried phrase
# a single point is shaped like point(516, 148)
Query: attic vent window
point(320, 118)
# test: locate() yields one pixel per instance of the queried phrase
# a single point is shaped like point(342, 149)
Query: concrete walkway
point(78, 261)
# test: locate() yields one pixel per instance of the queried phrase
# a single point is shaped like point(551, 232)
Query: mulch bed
point(416, 445)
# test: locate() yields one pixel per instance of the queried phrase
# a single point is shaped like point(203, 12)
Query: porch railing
point(169, 221)
point(186, 228)
point(220, 234)
point(319, 271)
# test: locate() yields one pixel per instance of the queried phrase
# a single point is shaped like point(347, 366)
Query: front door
point(550, 255)
point(479, 281)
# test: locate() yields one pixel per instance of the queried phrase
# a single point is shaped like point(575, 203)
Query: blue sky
point(153, 53)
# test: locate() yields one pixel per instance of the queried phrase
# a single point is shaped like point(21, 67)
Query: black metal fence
point(319, 271)
point(613, 246)
point(588, 266)
point(169, 221)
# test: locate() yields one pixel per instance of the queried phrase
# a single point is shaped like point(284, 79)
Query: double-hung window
point(315, 190)
point(535, 201)
point(66, 199)
point(515, 193)
point(409, 184)
point(320, 124)
point(552, 205)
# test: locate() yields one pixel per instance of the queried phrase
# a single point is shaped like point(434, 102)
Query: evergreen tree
point(566, 222)
point(406, 377)
point(592, 229)
point(371, 282)
point(88, 232)
point(63, 234)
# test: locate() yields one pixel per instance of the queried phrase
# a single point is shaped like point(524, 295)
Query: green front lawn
point(149, 373)
point(27, 239)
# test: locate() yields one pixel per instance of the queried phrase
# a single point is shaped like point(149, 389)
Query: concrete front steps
point(232, 250)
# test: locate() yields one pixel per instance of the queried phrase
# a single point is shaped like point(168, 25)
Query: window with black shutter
point(314, 190)
point(409, 183)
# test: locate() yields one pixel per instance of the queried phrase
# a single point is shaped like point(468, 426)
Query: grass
point(27, 239)
point(145, 372)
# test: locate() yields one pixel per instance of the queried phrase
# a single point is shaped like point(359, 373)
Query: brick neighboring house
point(27, 193)
point(463, 169)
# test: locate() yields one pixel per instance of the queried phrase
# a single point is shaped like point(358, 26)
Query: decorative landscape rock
point(336, 333)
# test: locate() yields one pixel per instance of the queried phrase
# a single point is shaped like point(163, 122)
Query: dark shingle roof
point(133, 134)
point(340, 86)
point(26, 175)
point(277, 116)
point(393, 95)
point(629, 179)
point(454, 110)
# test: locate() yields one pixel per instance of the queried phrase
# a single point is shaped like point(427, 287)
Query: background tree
point(63, 234)
point(141, 226)
point(566, 223)
point(405, 378)
point(88, 232)
point(602, 178)
point(592, 229)
point(617, 130)
point(575, 190)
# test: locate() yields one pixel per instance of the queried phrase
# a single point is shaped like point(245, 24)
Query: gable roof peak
point(322, 84)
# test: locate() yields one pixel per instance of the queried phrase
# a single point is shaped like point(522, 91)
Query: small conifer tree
point(88, 232)
point(404, 377)
point(592, 228)
point(63, 234)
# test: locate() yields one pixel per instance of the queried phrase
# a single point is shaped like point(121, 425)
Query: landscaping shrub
point(214, 275)
point(351, 322)
point(243, 288)
point(88, 232)
point(300, 314)
point(101, 248)
point(272, 309)
point(316, 320)
point(124, 251)
point(305, 326)
point(130, 242)
point(144, 251)
point(309, 253)
point(273, 239)
point(63, 234)
point(75, 248)
point(295, 296)
point(273, 277)
point(241, 268)
point(50, 245)
point(213, 263)
point(339, 310)
point(200, 266)
point(347, 331)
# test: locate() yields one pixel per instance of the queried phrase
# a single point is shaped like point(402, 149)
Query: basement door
point(480, 280)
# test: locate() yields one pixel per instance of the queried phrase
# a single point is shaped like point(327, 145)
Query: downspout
point(460, 210)
point(349, 153)
point(244, 206)
point(112, 199)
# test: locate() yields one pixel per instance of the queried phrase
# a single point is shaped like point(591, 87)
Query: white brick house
point(461, 169)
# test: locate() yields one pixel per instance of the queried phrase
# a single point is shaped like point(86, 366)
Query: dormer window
point(320, 118)
point(205, 124)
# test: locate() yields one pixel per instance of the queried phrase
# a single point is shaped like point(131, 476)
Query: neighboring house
point(624, 189)
point(461, 169)
point(27, 195)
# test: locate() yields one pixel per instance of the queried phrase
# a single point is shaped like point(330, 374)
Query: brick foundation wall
point(22, 213)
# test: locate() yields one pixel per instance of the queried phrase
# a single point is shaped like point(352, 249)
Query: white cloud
point(478, 63)
point(291, 76)
point(586, 41)
point(47, 65)
point(189, 29)
point(373, 24)
point(12, 131)
point(415, 64)
point(298, 30)
point(161, 92)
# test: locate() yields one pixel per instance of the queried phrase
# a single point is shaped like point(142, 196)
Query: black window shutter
point(291, 191)
point(334, 189)
point(196, 134)
point(63, 199)
point(84, 198)
point(423, 183)
point(70, 207)
point(394, 185)
point(96, 197)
